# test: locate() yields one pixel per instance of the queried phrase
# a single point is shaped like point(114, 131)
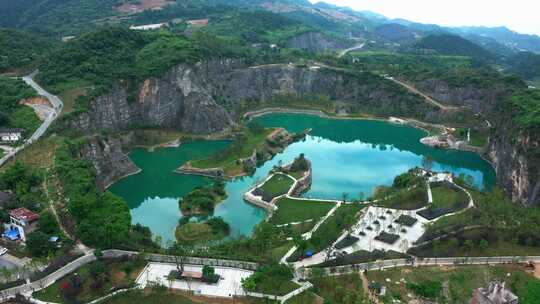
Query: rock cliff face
point(110, 162)
point(194, 98)
point(516, 165)
point(509, 151)
point(317, 43)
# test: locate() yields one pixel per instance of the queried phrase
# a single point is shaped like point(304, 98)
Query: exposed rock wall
point(110, 161)
point(516, 164)
point(317, 42)
point(201, 98)
point(509, 150)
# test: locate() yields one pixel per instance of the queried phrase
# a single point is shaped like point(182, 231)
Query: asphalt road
point(53, 114)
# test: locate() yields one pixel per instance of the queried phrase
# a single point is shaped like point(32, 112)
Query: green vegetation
point(527, 105)
point(25, 183)
point(445, 196)
point(277, 185)
point(190, 233)
point(202, 200)
point(403, 199)
point(298, 167)
point(271, 279)
point(103, 219)
point(343, 289)
point(118, 55)
point(153, 296)
point(257, 26)
point(495, 227)
point(525, 64)
point(242, 148)
point(13, 114)
point(297, 210)
point(328, 232)
point(461, 281)
point(93, 280)
point(452, 45)
point(20, 51)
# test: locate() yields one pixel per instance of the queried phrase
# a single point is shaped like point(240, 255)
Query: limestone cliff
point(317, 42)
point(110, 162)
point(509, 150)
point(202, 98)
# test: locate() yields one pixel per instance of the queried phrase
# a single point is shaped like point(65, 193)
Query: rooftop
point(10, 130)
point(24, 214)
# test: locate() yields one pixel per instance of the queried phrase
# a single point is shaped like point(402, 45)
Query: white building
point(148, 27)
point(10, 135)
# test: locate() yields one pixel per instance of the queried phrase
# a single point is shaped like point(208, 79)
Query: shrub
point(428, 289)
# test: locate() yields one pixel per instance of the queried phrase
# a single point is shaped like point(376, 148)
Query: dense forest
point(102, 219)
point(445, 44)
point(20, 50)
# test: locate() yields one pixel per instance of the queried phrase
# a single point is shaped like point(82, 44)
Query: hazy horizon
point(519, 15)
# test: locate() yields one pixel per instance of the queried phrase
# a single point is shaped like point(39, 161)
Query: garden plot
point(377, 229)
point(228, 286)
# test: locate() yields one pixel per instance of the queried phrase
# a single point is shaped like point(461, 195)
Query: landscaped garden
point(202, 200)
point(344, 289)
point(387, 238)
point(272, 279)
point(277, 185)
point(428, 282)
point(406, 220)
point(92, 281)
point(298, 210)
point(405, 199)
point(329, 231)
point(446, 199)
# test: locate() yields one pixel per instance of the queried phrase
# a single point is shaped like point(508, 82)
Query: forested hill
point(20, 50)
point(112, 54)
point(445, 44)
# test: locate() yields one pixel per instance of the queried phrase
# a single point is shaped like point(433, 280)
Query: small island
point(191, 233)
point(203, 199)
point(252, 145)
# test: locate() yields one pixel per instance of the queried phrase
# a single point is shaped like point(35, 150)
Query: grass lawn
point(39, 154)
point(277, 185)
point(194, 232)
point(406, 199)
point(117, 275)
point(303, 298)
point(344, 289)
point(276, 287)
point(445, 197)
point(461, 280)
point(228, 159)
point(148, 297)
point(69, 97)
point(1, 153)
point(297, 210)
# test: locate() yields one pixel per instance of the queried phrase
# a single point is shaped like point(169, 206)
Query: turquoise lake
point(348, 156)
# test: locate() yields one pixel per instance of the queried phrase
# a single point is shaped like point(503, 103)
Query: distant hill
point(20, 50)
point(396, 33)
point(446, 44)
point(525, 64)
point(506, 36)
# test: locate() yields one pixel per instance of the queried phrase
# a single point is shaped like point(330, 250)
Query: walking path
point(52, 115)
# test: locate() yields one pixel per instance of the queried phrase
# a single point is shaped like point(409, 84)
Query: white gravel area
point(229, 285)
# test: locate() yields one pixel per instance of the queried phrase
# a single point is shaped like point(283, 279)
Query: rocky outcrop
point(516, 164)
point(480, 100)
point(202, 98)
point(509, 150)
point(317, 42)
point(110, 162)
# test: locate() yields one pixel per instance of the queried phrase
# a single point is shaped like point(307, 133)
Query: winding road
point(356, 47)
point(51, 116)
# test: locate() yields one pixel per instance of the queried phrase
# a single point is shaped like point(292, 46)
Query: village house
point(494, 293)
point(10, 135)
point(22, 222)
point(148, 27)
point(198, 22)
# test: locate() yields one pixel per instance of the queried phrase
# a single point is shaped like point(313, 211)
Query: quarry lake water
point(348, 156)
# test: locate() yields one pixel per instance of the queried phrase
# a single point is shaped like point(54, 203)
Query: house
point(10, 135)
point(198, 22)
point(148, 27)
point(494, 293)
point(22, 222)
